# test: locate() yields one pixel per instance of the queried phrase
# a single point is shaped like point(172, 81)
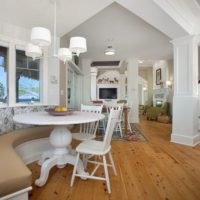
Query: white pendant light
point(78, 45)
point(64, 54)
point(110, 51)
point(33, 51)
point(41, 36)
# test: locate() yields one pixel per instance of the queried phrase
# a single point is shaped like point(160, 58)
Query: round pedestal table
point(60, 138)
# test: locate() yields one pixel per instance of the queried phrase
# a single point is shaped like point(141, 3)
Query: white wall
point(122, 85)
point(86, 82)
point(93, 74)
point(142, 91)
point(132, 83)
point(16, 35)
point(150, 85)
point(163, 65)
point(146, 72)
point(166, 75)
point(53, 78)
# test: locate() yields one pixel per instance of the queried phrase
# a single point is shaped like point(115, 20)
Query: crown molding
point(185, 13)
point(178, 13)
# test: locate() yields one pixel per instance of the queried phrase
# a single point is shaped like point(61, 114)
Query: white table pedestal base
point(60, 138)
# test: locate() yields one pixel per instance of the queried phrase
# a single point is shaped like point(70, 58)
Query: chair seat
point(92, 147)
point(83, 136)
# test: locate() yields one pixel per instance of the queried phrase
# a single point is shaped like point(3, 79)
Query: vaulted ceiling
point(150, 19)
point(71, 13)
point(127, 33)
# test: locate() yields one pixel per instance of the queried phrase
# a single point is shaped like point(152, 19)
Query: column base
point(185, 120)
point(186, 140)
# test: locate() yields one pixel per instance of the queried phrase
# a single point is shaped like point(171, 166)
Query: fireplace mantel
point(160, 95)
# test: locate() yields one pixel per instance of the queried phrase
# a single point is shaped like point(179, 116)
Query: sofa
point(154, 112)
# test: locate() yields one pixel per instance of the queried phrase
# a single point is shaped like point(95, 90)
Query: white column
point(122, 86)
point(185, 100)
point(86, 64)
point(132, 83)
point(53, 86)
point(44, 84)
point(93, 71)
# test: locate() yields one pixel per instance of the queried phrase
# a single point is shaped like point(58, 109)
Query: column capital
point(186, 39)
point(94, 71)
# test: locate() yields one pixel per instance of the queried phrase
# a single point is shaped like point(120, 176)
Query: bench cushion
point(14, 174)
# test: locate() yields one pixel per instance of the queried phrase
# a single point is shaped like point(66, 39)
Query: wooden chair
point(117, 106)
point(98, 148)
point(88, 130)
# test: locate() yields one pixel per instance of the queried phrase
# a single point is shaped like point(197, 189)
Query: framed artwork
point(158, 76)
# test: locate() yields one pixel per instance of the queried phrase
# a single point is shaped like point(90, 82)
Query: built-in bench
point(17, 149)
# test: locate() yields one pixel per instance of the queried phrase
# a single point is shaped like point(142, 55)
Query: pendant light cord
point(54, 42)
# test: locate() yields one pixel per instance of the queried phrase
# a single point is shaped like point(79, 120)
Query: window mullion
point(11, 74)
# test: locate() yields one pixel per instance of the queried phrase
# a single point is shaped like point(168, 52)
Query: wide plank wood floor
point(152, 170)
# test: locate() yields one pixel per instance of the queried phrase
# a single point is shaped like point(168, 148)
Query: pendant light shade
point(64, 54)
point(110, 51)
point(40, 36)
point(78, 45)
point(33, 51)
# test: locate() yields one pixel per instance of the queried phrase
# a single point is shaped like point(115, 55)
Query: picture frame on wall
point(158, 76)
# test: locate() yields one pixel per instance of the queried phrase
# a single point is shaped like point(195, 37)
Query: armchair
point(153, 112)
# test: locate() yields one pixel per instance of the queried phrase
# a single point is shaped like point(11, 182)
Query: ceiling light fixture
point(140, 61)
point(110, 51)
point(41, 38)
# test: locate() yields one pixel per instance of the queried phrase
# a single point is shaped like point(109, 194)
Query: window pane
point(3, 74)
point(27, 78)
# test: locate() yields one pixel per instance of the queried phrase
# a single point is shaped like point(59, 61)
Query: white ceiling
point(198, 1)
point(127, 33)
point(71, 13)
point(30, 13)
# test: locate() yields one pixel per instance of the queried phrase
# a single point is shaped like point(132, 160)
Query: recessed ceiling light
point(140, 61)
point(110, 51)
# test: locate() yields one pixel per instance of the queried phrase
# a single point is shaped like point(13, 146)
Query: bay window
point(27, 78)
point(3, 74)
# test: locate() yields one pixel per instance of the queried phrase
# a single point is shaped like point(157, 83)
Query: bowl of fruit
point(59, 111)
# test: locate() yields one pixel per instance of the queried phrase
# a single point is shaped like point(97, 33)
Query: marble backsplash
point(6, 117)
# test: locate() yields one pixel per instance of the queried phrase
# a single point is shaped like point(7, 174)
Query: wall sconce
point(169, 84)
point(144, 88)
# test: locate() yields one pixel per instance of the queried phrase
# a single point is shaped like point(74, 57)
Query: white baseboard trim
point(19, 195)
point(189, 141)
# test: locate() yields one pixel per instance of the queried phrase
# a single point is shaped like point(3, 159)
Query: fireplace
point(159, 103)
point(160, 96)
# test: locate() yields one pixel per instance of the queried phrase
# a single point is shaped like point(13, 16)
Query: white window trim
point(12, 45)
point(5, 44)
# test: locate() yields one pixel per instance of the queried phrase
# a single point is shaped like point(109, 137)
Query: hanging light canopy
point(110, 51)
point(42, 38)
point(33, 51)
